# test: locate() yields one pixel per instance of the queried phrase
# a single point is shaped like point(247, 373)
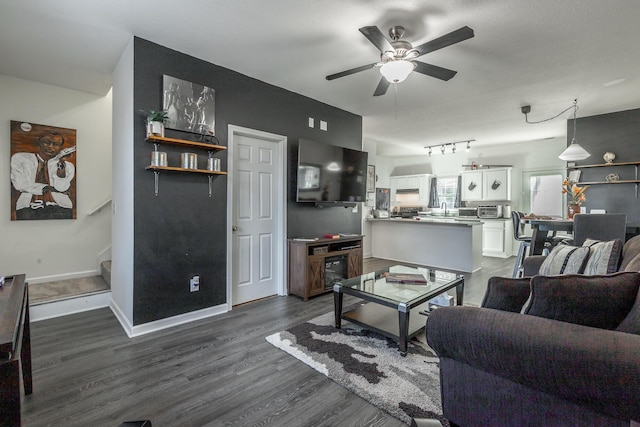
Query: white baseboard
point(69, 306)
point(146, 328)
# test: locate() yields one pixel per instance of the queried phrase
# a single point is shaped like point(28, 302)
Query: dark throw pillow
point(604, 257)
point(506, 294)
point(597, 301)
point(564, 259)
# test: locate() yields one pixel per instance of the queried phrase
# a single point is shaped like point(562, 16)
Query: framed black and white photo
point(190, 107)
point(371, 178)
point(574, 176)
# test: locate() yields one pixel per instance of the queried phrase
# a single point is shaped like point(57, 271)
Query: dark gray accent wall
point(619, 133)
point(181, 231)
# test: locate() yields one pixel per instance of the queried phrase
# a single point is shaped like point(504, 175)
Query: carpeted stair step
point(42, 293)
point(105, 267)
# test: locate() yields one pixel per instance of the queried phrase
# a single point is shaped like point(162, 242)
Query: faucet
point(445, 207)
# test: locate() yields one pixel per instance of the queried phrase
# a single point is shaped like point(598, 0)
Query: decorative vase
point(572, 210)
point(155, 128)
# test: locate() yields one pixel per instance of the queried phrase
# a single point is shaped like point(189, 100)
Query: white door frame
point(281, 250)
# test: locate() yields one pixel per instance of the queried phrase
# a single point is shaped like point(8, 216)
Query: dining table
point(541, 229)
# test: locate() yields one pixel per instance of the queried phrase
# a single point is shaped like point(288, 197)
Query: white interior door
point(256, 187)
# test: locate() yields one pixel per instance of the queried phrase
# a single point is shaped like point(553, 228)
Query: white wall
point(57, 249)
point(122, 267)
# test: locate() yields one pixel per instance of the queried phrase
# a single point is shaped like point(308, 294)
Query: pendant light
point(574, 151)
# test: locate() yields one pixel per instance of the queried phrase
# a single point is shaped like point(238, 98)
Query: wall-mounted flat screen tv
point(327, 173)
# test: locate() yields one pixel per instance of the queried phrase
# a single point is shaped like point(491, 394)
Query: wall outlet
point(194, 284)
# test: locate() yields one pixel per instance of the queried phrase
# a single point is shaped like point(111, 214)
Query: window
point(447, 189)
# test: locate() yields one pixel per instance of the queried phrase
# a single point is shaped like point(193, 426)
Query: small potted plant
point(155, 122)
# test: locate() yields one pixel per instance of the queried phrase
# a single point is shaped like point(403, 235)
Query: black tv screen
point(327, 173)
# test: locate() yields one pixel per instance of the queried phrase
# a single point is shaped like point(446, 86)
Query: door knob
point(234, 228)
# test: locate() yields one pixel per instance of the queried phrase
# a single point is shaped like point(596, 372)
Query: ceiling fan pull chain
point(395, 99)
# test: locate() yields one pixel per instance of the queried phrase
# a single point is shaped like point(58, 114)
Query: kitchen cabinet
point(419, 182)
point(486, 185)
point(472, 186)
point(393, 187)
point(497, 238)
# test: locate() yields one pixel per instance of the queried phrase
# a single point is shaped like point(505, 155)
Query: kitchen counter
point(465, 222)
point(442, 242)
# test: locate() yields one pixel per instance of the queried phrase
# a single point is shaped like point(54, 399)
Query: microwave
point(468, 212)
point(494, 211)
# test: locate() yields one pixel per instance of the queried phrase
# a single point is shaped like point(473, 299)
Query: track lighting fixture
point(443, 147)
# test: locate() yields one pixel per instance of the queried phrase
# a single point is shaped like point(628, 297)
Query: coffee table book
point(405, 278)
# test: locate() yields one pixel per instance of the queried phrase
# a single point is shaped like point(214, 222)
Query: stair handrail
point(99, 208)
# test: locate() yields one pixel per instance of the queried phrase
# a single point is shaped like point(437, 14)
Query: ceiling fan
point(397, 57)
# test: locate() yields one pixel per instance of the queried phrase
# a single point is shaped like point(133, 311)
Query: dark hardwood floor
point(214, 372)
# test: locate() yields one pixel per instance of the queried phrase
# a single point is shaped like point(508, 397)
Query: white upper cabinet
point(419, 183)
point(472, 186)
point(497, 184)
point(486, 185)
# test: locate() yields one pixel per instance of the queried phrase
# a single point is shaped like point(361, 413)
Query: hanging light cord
point(574, 106)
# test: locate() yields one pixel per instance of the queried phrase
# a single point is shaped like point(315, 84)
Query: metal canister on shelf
point(213, 164)
point(158, 158)
point(189, 160)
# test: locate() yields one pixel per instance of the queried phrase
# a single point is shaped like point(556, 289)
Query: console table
point(15, 348)
point(308, 259)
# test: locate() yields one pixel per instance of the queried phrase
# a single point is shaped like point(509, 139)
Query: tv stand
point(308, 262)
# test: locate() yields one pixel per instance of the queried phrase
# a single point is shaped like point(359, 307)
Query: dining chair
point(525, 242)
point(599, 227)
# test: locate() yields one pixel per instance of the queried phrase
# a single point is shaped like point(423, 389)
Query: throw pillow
point(604, 257)
point(630, 249)
point(564, 259)
point(633, 264)
point(601, 301)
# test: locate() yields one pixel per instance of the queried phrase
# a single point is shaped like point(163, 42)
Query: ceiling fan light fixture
point(396, 71)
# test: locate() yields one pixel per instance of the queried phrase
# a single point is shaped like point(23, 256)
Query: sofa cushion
point(631, 323)
point(505, 293)
point(601, 301)
point(604, 257)
point(565, 259)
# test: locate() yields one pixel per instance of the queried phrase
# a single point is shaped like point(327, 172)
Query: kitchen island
point(444, 243)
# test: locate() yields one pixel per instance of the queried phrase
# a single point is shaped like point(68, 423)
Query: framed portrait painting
point(43, 172)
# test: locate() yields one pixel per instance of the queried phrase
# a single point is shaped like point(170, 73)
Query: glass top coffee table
point(395, 292)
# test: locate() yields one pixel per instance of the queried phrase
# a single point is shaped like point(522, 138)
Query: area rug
point(369, 365)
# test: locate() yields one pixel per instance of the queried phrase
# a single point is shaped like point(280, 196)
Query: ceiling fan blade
point(376, 37)
point(453, 37)
point(351, 71)
point(434, 71)
point(383, 85)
